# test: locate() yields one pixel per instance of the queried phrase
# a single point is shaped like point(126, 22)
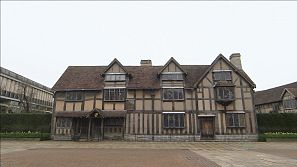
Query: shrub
point(277, 122)
point(24, 122)
point(280, 135)
point(42, 136)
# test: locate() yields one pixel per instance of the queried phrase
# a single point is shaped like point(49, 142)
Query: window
point(114, 94)
point(224, 93)
point(275, 107)
point(115, 77)
point(222, 76)
point(74, 96)
point(173, 120)
point(290, 104)
point(173, 94)
point(235, 119)
point(130, 104)
point(64, 122)
point(173, 76)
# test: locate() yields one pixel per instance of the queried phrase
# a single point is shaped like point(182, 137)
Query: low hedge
point(277, 122)
point(24, 122)
point(277, 135)
point(42, 136)
point(280, 135)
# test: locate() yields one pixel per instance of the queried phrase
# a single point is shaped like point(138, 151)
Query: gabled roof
point(238, 71)
point(292, 91)
point(273, 94)
point(115, 61)
point(142, 77)
point(173, 61)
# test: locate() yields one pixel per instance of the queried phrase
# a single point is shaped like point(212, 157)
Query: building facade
point(281, 99)
point(20, 94)
point(172, 102)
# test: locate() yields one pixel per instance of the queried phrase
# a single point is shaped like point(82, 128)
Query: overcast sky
point(39, 40)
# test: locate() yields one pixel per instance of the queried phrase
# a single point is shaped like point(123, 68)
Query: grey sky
point(40, 39)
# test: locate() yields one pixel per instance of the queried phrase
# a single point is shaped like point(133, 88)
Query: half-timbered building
point(171, 102)
point(281, 99)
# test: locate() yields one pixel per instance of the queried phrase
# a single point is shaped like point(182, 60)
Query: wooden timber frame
point(94, 125)
point(137, 106)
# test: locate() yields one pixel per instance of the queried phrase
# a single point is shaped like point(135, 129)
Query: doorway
point(207, 127)
point(113, 128)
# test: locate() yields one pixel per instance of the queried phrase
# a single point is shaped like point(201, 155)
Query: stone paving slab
point(72, 157)
point(247, 159)
point(226, 154)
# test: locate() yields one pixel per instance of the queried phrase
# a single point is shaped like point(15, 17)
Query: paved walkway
point(226, 154)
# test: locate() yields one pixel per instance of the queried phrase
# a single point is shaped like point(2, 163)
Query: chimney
point(235, 60)
point(146, 63)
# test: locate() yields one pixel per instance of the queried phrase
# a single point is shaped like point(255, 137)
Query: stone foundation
point(161, 138)
point(236, 137)
point(60, 137)
point(188, 138)
point(176, 138)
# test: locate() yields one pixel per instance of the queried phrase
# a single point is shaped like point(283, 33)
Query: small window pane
point(235, 120)
point(173, 120)
point(222, 76)
point(173, 94)
point(114, 94)
point(172, 76)
point(115, 77)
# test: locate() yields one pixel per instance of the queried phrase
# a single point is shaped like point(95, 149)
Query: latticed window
point(235, 119)
point(224, 93)
point(173, 94)
point(74, 96)
point(63, 122)
point(173, 120)
point(290, 104)
point(222, 76)
point(114, 94)
point(115, 77)
point(173, 76)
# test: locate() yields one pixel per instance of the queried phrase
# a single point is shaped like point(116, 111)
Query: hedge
point(41, 136)
point(277, 122)
point(24, 122)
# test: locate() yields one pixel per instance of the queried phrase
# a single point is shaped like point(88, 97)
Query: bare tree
point(27, 96)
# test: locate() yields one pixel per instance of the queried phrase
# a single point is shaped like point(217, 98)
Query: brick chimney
point(146, 63)
point(236, 60)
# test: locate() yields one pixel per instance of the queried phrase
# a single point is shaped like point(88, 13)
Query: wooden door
point(207, 127)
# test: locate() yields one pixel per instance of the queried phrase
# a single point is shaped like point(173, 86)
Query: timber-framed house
point(171, 102)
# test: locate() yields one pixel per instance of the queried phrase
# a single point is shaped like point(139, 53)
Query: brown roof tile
point(293, 91)
point(143, 77)
point(273, 94)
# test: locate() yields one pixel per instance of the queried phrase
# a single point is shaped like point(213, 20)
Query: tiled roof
point(273, 94)
point(142, 77)
point(293, 91)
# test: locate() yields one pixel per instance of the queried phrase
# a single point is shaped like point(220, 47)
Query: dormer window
point(172, 76)
point(222, 75)
point(115, 77)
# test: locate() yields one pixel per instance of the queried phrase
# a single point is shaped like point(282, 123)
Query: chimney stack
point(236, 60)
point(146, 63)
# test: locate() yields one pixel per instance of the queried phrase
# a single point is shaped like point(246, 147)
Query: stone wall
point(188, 138)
